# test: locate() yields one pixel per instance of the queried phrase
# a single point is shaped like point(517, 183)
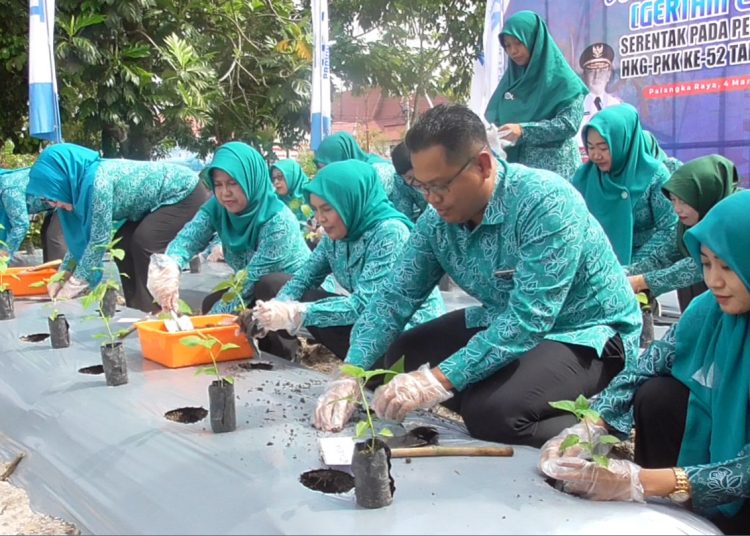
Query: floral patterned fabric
point(654, 229)
point(539, 263)
point(551, 144)
point(14, 215)
point(712, 484)
point(127, 190)
point(281, 248)
point(360, 267)
point(405, 199)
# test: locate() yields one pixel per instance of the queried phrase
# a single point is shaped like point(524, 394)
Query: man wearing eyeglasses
point(557, 316)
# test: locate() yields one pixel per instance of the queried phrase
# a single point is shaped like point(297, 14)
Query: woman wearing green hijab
point(342, 146)
point(364, 236)
point(288, 180)
point(538, 103)
point(652, 144)
point(688, 395)
point(622, 184)
point(693, 190)
point(258, 233)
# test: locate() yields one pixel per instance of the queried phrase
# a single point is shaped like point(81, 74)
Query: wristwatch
point(681, 492)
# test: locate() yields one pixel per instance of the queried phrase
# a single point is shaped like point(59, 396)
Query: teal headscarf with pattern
point(239, 232)
point(355, 192)
point(714, 363)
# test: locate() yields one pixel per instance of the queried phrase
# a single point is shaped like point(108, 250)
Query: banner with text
point(685, 64)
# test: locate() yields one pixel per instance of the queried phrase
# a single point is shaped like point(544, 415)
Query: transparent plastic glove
point(336, 404)
point(53, 287)
point(551, 449)
point(216, 255)
point(72, 288)
point(275, 315)
point(164, 281)
point(408, 392)
point(619, 482)
point(493, 139)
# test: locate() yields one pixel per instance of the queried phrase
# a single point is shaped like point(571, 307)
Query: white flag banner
point(320, 107)
point(490, 66)
point(44, 111)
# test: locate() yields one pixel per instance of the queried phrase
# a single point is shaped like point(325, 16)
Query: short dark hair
point(401, 159)
point(453, 126)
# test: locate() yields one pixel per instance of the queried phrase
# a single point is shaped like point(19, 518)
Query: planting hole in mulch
point(256, 365)
point(327, 480)
point(34, 337)
point(93, 369)
point(186, 415)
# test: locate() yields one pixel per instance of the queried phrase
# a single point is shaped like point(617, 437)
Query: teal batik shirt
point(683, 272)
point(712, 484)
point(398, 192)
point(281, 248)
point(408, 201)
point(539, 263)
point(360, 267)
point(654, 229)
point(127, 190)
point(551, 144)
point(15, 215)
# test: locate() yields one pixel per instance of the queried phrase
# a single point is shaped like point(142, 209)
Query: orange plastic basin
point(20, 287)
point(161, 346)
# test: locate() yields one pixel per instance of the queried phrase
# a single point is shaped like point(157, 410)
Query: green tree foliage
point(137, 76)
point(423, 45)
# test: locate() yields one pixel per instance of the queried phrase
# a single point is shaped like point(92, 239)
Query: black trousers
point(152, 234)
point(53, 241)
point(512, 405)
point(660, 409)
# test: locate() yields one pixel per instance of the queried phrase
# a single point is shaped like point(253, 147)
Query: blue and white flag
point(44, 111)
point(320, 107)
point(490, 66)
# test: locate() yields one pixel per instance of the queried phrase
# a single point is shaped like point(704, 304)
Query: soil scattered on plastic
point(93, 369)
point(327, 480)
point(34, 337)
point(186, 415)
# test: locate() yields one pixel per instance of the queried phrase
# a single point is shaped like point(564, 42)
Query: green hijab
point(541, 88)
point(701, 183)
point(343, 146)
point(295, 179)
point(714, 362)
point(355, 192)
point(239, 232)
point(611, 196)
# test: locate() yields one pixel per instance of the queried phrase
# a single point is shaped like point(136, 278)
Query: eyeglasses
point(444, 188)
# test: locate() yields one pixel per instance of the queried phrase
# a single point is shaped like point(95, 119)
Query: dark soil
point(34, 337)
point(327, 480)
point(256, 365)
point(93, 369)
point(186, 415)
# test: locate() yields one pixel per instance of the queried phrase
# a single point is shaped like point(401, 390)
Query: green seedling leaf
point(564, 405)
point(229, 346)
point(581, 403)
point(224, 285)
point(590, 414)
point(191, 341)
point(183, 308)
point(352, 371)
point(99, 336)
point(120, 333)
point(601, 461)
point(608, 440)
point(38, 284)
point(361, 429)
point(118, 254)
point(385, 432)
point(585, 445)
point(207, 371)
point(569, 441)
point(398, 366)
point(228, 297)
